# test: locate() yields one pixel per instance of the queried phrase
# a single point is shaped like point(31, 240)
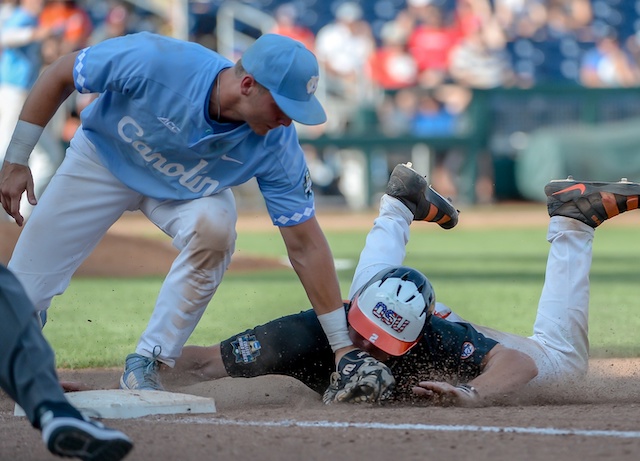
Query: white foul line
point(415, 427)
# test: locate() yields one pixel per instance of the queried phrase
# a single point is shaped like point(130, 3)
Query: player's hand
point(75, 386)
point(446, 394)
point(14, 180)
point(359, 379)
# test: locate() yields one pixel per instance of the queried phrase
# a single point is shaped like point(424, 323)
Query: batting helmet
point(392, 309)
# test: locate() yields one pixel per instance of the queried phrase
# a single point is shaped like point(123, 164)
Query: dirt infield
point(277, 418)
point(133, 247)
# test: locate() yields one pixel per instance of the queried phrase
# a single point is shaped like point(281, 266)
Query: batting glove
point(360, 379)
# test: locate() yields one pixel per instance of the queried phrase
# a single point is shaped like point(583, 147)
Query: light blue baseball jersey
point(20, 66)
point(152, 129)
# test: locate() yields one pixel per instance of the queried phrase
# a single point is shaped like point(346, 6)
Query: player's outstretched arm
point(505, 372)
point(311, 258)
point(362, 377)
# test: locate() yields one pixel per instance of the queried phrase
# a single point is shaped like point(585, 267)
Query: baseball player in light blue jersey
point(174, 127)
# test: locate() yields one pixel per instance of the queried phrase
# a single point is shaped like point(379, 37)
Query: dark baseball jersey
point(296, 346)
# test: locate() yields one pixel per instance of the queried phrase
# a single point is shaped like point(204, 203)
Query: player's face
point(367, 346)
point(263, 114)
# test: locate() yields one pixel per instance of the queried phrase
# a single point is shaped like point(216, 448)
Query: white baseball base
point(125, 404)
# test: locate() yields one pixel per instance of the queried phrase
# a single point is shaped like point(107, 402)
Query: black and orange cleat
point(408, 186)
point(591, 202)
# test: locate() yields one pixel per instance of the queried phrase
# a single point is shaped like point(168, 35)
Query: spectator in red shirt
point(391, 66)
point(430, 44)
point(286, 16)
point(469, 15)
point(72, 21)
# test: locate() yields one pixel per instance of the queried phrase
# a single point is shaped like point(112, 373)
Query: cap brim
point(384, 341)
point(306, 112)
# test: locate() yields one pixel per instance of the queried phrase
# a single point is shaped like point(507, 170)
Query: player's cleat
point(141, 373)
point(88, 440)
point(408, 186)
point(591, 202)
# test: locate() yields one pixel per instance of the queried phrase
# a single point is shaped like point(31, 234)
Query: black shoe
point(82, 438)
point(591, 202)
point(408, 186)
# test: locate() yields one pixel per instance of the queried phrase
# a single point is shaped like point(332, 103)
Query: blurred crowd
point(410, 71)
point(414, 73)
point(414, 60)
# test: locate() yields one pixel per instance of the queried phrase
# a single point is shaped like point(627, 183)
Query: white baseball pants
point(81, 203)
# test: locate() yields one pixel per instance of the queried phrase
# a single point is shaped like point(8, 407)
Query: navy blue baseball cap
point(290, 72)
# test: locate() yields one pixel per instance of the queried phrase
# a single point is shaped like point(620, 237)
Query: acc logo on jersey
point(169, 124)
point(312, 84)
point(467, 350)
point(246, 348)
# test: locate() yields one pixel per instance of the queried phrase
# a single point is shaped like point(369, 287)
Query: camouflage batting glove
point(360, 379)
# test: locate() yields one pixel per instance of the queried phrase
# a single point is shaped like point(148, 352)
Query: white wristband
point(334, 325)
point(24, 139)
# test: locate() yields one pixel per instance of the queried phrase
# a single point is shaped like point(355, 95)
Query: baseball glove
point(360, 379)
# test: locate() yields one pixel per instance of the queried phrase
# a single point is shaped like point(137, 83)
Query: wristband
point(334, 325)
point(469, 390)
point(24, 139)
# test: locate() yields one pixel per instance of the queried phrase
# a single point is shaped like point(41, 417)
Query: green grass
point(491, 277)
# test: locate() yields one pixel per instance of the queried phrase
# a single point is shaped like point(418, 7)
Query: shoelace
point(150, 374)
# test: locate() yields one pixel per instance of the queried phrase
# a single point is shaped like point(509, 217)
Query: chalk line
point(413, 427)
